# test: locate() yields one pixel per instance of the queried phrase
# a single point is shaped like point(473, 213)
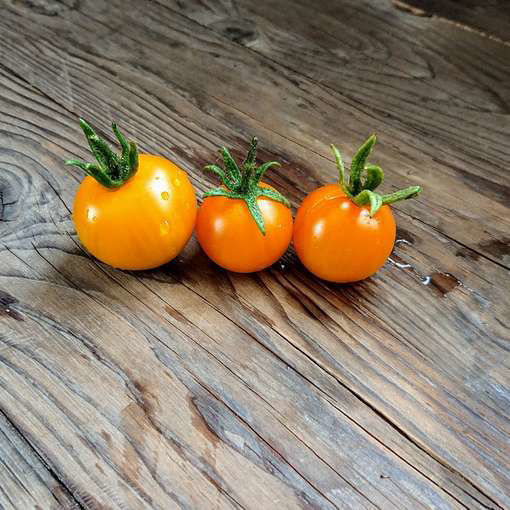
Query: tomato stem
point(110, 169)
point(244, 182)
point(362, 191)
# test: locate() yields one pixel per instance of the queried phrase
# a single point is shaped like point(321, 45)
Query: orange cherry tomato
point(337, 240)
point(230, 236)
point(140, 223)
point(244, 225)
point(345, 232)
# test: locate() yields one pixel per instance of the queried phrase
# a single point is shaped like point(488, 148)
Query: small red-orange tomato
point(345, 232)
point(245, 225)
point(339, 241)
point(231, 237)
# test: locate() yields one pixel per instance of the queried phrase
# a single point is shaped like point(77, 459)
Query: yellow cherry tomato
point(139, 219)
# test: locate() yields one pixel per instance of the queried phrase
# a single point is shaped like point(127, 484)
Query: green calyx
point(244, 182)
point(364, 178)
point(110, 169)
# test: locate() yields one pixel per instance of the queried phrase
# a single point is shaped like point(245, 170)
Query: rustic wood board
point(490, 19)
point(190, 387)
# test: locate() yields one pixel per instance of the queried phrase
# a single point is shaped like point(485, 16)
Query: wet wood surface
point(191, 387)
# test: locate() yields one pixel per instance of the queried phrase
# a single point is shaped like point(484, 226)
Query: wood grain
point(179, 397)
point(174, 387)
point(25, 482)
point(409, 80)
point(490, 19)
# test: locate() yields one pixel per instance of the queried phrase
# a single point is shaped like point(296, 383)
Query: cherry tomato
point(139, 223)
point(229, 235)
point(245, 225)
point(345, 232)
point(337, 240)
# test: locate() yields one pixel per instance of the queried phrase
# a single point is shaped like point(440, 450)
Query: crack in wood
point(63, 485)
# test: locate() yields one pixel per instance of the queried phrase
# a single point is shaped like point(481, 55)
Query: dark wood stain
point(47, 7)
point(107, 437)
point(175, 314)
point(147, 400)
point(467, 253)
point(240, 31)
point(6, 306)
point(499, 248)
point(405, 234)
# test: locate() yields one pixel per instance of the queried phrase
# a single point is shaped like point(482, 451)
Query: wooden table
point(191, 387)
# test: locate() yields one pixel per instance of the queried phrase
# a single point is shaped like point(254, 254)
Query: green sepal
point(358, 165)
point(232, 171)
point(262, 169)
point(403, 194)
point(252, 153)
point(222, 192)
point(362, 192)
point(111, 170)
point(251, 202)
point(122, 141)
point(103, 154)
point(375, 176)
point(341, 170)
point(244, 182)
point(273, 195)
point(255, 211)
point(94, 171)
point(216, 170)
point(132, 160)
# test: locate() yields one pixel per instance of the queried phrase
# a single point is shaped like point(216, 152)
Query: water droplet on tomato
point(165, 195)
point(177, 181)
point(164, 227)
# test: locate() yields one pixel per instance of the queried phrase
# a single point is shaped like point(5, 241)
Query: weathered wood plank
point(454, 194)
point(150, 381)
point(58, 375)
point(491, 19)
point(25, 481)
point(342, 411)
point(434, 93)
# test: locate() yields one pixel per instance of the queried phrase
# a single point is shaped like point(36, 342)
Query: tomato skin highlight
point(337, 240)
point(142, 224)
point(231, 238)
